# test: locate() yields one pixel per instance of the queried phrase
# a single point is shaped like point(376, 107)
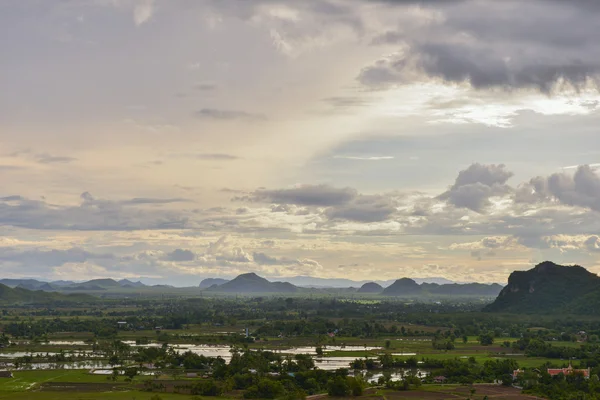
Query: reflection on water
point(394, 375)
point(223, 351)
point(333, 363)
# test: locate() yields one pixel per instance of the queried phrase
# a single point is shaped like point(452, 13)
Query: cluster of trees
point(571, 387)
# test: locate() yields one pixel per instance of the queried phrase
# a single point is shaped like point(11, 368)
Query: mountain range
point(405, 287)
point(92, 285)
point(320, 283)
point(21, 295)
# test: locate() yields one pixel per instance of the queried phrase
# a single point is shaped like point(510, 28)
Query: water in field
point(394, 376)
point(68, 343)
point(333, 363)
point(223, 351)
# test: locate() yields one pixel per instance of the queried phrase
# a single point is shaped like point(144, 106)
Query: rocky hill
point(550, 288)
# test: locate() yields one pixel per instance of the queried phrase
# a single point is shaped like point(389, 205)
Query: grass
point(24, 380)
point(124, 395)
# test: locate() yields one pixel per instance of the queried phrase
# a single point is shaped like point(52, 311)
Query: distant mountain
point(438, 280)
point(105, 283)
point(309, 281)
point(403, 287)
point(47, 287)
point(130, 284)
point(208, 282)
point(93, 285)
point(30, 284)
point(252, 283)
point(550, 288)
point(20, 295)
point(410, 288)
point(370, 287)
point(61, 283)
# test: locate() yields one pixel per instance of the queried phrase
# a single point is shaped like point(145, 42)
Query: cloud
point(49, 258)
point(475, 185)
point(180, 255)
point(364, 208)
point(306, 195)
point(581, 189)
point(483, 45)
point(216, 156)
point(92, 214)
point(228, 115)
point(205, 87)
point(264, 259)
point(143, 11)
point(592, 243)
point(51, 159)
point(371, 158)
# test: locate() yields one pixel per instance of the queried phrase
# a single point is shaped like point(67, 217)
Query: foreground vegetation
point(296, 347)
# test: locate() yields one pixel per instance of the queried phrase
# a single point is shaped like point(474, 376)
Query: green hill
point(550, 288)
point(20, 295)
point(403, 287)
point(252, 283)
point(370, 287)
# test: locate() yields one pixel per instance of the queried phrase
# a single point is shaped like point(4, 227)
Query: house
point(6, 374)
point(569, 371)
point(516, 373)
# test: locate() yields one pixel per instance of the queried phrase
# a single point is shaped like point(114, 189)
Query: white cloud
point(143, 11)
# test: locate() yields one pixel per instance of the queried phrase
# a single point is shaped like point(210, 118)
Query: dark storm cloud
point(475, 185)
point(506, 45)
point(228, 115)
point(306, 195)
point(483, 70)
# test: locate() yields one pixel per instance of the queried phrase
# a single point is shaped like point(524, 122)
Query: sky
point(175, 140)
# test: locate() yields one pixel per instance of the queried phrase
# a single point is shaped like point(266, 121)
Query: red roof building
point(569, 371)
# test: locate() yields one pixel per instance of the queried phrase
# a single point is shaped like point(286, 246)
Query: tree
point(115, 374)
point(356, 386)
point(388, 344)
point(207, 388)
point(486, 339)
point(265, 389)
point(338, 387)
point(131, 373)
